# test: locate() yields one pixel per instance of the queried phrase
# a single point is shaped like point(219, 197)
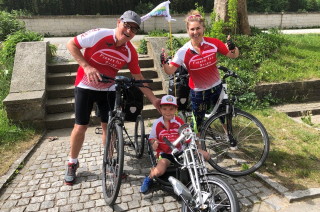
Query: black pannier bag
point(133, 103)
point(182, 87)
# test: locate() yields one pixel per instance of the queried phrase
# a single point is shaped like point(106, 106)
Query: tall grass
point(298, 59)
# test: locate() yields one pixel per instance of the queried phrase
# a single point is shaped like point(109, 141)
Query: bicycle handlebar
point(185, 132)
point(125, 80)
point(227, 72)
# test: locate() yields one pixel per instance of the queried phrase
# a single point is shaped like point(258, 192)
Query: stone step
point(67, 119)
point(299, 109)
point(144, 62)
point(61, 105)
point(67, 90)
point(58, 78)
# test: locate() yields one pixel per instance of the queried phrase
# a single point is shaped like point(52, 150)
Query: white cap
point(168, 100)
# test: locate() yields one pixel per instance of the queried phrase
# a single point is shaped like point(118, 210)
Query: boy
point(166, 126)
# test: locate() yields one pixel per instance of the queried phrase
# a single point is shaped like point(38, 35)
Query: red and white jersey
point(101, 53)
point(202, 67)
point(159, 131)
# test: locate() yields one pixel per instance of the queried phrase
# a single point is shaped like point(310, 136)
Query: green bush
point(158, 33)
point(9, 24)
point(10, 133)
point(8, 47)
point(143, 47)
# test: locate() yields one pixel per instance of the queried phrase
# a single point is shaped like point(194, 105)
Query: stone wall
point(306, 91)
point(25, 103)
point(72, 25)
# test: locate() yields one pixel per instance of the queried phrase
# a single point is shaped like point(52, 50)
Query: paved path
point(39, 186)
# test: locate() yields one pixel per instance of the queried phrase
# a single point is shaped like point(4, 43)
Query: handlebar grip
point(106, 77)
point(104, 80)
point(168, 143)
point(223, 68)
point(144, 81)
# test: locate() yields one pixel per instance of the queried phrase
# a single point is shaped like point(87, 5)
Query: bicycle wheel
point(152, 157)
point(139, 136)
point(249, 150)
point(112, 167)
point(182, 116)
point(222, 196)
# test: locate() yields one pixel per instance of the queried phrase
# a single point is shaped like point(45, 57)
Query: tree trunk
point(243, 17)
point(221, 9)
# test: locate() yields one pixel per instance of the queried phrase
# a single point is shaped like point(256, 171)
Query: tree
point(221, 9)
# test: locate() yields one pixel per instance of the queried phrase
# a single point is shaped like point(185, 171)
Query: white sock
point(73, 160)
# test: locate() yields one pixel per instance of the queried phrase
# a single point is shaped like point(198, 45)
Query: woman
point(199, 56)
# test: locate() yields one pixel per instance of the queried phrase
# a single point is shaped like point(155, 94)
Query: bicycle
point(113, 158)
point(236, 140)
point(199, 189)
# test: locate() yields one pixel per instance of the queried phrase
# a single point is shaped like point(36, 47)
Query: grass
point(296, 60)
point(294, 157)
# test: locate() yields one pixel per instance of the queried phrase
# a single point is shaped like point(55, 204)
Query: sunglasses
point(128, 26)
point(193, 16)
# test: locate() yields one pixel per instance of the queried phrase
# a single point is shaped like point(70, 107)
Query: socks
point(73, 160)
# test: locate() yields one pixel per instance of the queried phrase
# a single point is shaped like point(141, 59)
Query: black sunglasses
point(128, 26)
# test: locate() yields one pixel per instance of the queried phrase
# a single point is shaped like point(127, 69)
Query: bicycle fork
point(193, 172)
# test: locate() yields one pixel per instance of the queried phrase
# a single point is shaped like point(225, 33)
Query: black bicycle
point(236, 140)
point(113, 158)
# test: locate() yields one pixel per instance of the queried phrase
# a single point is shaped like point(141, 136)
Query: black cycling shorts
point(84, 99)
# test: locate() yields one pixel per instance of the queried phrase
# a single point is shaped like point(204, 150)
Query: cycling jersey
point(102, 53)
point(159, 131)
point(201, 67)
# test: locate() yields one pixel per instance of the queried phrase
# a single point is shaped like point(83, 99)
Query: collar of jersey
point(191, 47)
point(115, 40)
point(170, 120)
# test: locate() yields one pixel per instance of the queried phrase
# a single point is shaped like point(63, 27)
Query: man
point(106, 52)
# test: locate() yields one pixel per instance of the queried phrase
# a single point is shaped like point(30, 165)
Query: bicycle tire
point(152, 157)
point(252, 146)
point(182, 116)
point(223, 197)
point(139, 136)
point(112, 166)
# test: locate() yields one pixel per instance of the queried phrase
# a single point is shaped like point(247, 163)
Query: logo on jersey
point(110, 58)
point(109, 44)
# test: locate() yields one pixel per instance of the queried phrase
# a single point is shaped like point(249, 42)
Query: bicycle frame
point(194, 161)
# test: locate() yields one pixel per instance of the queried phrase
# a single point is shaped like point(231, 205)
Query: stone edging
point(283, 191)
point(4, 179)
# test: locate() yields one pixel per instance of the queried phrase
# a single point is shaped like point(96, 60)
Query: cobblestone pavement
point(39, 186)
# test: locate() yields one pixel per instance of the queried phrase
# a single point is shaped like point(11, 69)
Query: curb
point(293, 196)
point(11, 172)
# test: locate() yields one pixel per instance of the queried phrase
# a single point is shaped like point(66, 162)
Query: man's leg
point(104, 133)
point(77, 139)
point(83, 108)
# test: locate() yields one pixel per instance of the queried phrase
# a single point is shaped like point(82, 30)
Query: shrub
point(9, 24)
point(8, 49)
point(143, 47)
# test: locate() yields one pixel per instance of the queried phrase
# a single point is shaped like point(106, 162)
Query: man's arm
point(149, 94)
point(92, 73)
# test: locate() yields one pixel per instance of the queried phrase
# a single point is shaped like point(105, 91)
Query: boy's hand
point(155, 144)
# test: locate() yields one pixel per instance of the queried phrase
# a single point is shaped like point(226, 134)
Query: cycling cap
point(168, 100)
point(131, 16)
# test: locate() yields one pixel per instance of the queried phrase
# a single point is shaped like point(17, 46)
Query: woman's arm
point(168, 68)
point(235, 54)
